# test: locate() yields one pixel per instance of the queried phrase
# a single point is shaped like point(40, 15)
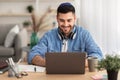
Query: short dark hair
point(65, 8)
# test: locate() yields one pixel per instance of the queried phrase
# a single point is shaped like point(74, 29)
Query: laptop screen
point(65, 63)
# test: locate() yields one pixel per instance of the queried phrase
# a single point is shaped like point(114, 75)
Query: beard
point(65, 30)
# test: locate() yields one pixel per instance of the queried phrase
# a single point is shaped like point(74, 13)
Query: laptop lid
point(65, 63)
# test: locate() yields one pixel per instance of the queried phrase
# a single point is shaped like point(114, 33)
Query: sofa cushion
point(6, 51)
point(4, 29)
point(11, 36)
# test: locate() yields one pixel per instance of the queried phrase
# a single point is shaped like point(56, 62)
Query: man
point(68, 37)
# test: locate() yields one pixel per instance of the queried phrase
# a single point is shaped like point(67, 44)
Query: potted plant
point(112, 65)
point(36, 26)
point(30, 8)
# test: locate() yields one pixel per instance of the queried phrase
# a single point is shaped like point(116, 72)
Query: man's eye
point(69, 20)
point(61, 20)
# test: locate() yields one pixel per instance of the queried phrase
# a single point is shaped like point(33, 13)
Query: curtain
point(102, 19)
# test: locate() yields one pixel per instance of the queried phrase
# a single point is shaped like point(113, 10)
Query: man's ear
point(75, 17)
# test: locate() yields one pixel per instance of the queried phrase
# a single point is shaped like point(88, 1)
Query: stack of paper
point(31, 68)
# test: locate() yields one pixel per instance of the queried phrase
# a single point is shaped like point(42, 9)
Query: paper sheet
point(31, 68)
point(99, 77)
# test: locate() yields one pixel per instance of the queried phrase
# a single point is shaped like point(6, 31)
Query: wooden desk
point(44, 76)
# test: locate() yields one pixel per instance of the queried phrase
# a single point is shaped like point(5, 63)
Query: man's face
point(66, 22)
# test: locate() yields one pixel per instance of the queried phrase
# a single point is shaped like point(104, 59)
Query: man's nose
point(66, 23)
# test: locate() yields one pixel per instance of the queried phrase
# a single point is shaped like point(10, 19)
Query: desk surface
point(44, 76)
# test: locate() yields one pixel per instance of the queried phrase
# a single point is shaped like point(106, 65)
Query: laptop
point(65, 63)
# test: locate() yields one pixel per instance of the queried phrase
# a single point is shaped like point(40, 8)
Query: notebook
point(65, 63)
point(3, 64)
point(3, 67)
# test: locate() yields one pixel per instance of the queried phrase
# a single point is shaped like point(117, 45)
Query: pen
point(16, 74)
point(35, 68)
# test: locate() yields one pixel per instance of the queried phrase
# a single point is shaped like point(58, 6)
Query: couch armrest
point(20, 41)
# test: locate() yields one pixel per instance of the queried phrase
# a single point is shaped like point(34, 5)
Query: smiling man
point(68, 37)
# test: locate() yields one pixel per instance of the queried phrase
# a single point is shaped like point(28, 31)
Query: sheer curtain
point(102, 19)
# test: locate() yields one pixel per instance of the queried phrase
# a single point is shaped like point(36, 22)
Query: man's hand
point(38, 60)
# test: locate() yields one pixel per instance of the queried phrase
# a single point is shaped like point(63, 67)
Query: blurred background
point(100, 17)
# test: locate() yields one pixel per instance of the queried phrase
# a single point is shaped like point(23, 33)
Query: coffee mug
point(92, 64)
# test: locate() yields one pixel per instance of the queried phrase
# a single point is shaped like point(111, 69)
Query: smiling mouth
point(65, 26)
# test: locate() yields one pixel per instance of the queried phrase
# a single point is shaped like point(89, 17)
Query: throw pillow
point(10, 36)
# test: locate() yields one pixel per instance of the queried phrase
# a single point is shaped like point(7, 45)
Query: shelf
point(31, 0)
point(17, 0)
point(15, 15)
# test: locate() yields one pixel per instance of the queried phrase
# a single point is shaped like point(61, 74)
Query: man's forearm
point(38, 60)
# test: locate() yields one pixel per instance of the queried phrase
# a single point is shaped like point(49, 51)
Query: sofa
point(19, 41)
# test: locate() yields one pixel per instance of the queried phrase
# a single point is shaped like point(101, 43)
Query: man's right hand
point(38, 61)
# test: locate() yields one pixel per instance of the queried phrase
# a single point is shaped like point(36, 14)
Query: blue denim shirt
point(50, 42)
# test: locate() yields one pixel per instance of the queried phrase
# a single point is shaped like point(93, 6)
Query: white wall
point(102, 19)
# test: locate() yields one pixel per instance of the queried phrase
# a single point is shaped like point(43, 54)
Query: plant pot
point(112, 75)
point(33, 39)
